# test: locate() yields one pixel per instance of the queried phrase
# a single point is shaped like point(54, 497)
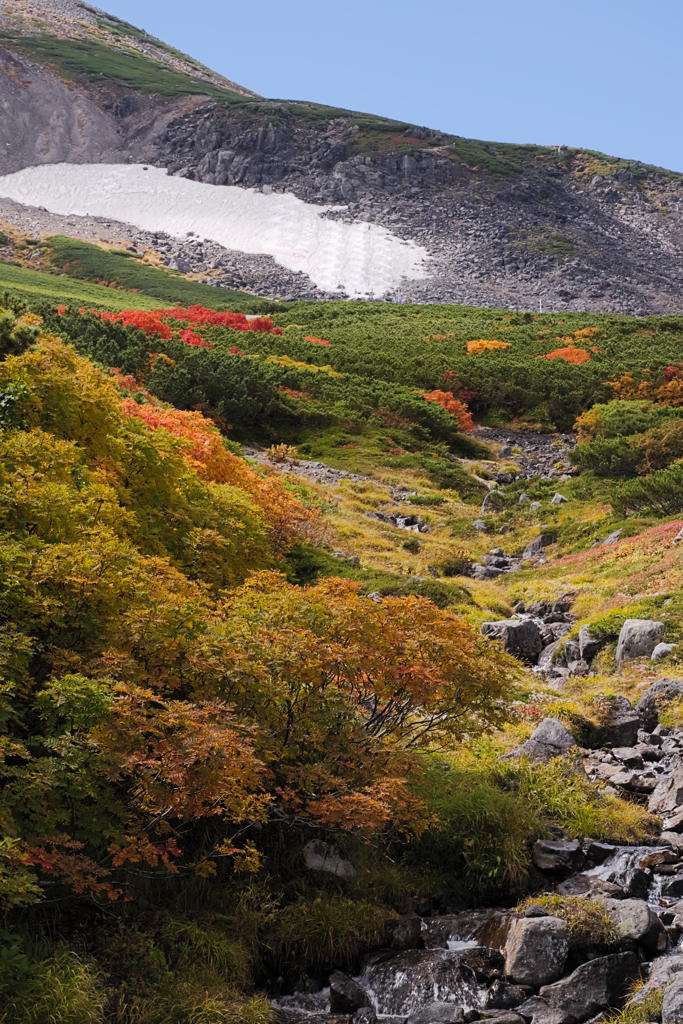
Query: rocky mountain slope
point(504, 225)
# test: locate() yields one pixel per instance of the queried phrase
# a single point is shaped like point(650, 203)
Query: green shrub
point(623, 418)
point(660, 494)
point(607, 456)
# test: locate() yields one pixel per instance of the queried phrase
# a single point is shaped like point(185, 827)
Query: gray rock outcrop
point(620, 725)
point(672, 1004)
point(594, 986)
point(636, 922)
point(549, 739)
point(536, 950)
point(521, 637)
point(637, 639)
point(346, 995)
point(536, 546)
point(660, 691)
point(321, 856)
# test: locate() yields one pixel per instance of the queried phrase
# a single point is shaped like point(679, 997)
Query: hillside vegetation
point(208, 660)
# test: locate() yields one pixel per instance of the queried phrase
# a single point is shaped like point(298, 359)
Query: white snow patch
point(363, 258)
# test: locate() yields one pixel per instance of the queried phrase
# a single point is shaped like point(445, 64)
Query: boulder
point(536, 546)
point(536, 950)
point(366, 1015)
point(628, 756)
point(558, 499)
point(589, 645)
point(438, 1013)
point(668, 795)
point(620, 725)
point(552, 855)
point(479, 524)
point(572, 650)
point(403, 983)
point(534, 506)
point(613, 538)
point(524, 499)
point(485, 964)
point(521, 637)
point(346, 995)
point(484, 572)
point(504, 996)
point(636, 922)
point(637, 639)
point(660, 691)
point(674, 840)
point(406, 932)
point(672, 1005)
point(320, 856)
point(662, 651)
point(594, 986)
point(549, 739)
point(672, 887)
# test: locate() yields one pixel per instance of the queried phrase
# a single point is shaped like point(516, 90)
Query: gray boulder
point(504, 996)
point(558, 499)
point(662, 651)
point(320, 856)
point(536, 950)
point(537, 545)
point(660, 691)
point(620, 726)
point(521, 637)
point(534, 506)
point(590, 645)
point(366, 1015)
point(572, 650)
point(480, 524)
point(524, 499)
point(551, 855)
point(549, 739)
point(672, 1005)
point(484, 572)
point(594, 986)
point(346, 995)
point(637, 639)
point(613, 538)
point(636, 922)
point(667, 797)
point(662, 971)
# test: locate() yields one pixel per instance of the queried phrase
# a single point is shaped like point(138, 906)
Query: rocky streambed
point(446, 962)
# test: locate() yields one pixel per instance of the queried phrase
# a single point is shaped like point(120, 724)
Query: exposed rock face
point(438, 1013)
point(668, 796)
point(589, 645)
point(521, 637)
point(637, 639)
point(620, 728)
point(536, 950)
point(550, 855)
point(535, 548)
point(320, 856)
point(404, 983)
point(549, 739)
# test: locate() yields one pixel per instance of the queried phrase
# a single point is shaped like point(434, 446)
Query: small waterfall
point(400, 983)
point(622, 868)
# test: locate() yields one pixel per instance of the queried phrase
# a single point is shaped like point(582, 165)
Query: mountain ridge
point(505, 225)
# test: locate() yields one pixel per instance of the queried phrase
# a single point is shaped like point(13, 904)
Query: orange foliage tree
point(454, 406)
point(475, 348)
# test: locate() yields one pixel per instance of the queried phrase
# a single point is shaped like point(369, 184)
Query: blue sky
point(602, 74)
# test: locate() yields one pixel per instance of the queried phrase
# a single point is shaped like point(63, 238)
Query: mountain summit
point(493, 224)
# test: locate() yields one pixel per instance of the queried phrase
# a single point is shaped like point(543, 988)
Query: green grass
point(32, 286)
point(78, 58)
point(91, 263)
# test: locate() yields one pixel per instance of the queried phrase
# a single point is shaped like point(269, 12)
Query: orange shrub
point(475, 348)
point(571, 354)
point(452, 405)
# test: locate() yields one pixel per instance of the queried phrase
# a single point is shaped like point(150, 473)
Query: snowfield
point(363, 259)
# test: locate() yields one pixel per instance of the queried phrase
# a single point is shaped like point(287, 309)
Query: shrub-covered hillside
point(208, 661)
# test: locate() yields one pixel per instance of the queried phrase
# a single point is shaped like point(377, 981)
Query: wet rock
point(536, 950)
point(521, 637)
point(504, 996)
point(599, 852)
point(403, 983)
point(406, 932)
point(636, 922)
point(320, 856)
point(486, 964)
point(668, 796)
point(487, 928)
point(366, 1015)
point(589, 645)
point(673, 887)
point(438, 1013)
point(637, 639)
point(594, 986)
point(620, 728)
point(552, 855)
point(549, 739)
point(346, 995)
